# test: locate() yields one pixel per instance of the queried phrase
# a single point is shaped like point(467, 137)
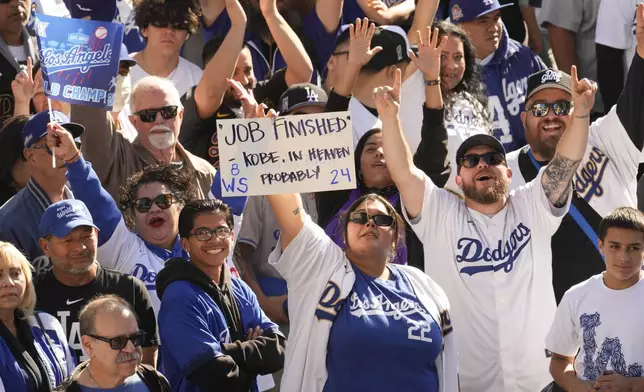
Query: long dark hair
point(471, 82)
point(11, 147)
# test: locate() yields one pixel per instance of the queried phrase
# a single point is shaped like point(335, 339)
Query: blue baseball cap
point(36, 126)
point(124, 57)
point(59, 219)
point(468, 10)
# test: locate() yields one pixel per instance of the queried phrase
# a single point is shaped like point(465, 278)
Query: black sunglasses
point(44, 146)
point(361, 218)
point(205, 234)
point(119, 342)
point(559, 108)
point(144, 204)
point(491, 158)
point(176, 26)
point(149, 115)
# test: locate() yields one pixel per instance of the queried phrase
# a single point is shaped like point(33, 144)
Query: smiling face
point(13, 282)
point(452, 63)
point(157, 226)
point(623, 250)
point(483, 183)
point(73, 254)
point(210, 254)
point(543, 133)
point(485, 32)
point(375, 173)
point(369, 239)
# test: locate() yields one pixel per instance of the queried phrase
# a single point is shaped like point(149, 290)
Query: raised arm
point(408, 178)
point(556, 179)
point(330, 13)
point(210, 10)
point(210, 91)
point(423, 17)
point(378, 11)
point(289, 212)
point(299, 67)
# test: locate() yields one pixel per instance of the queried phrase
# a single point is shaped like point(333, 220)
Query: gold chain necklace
point(89, 373)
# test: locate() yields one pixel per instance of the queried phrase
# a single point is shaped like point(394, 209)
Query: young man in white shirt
point(491, 251)
point(596, 339)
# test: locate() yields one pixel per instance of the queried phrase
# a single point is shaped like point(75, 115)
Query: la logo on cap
point(457, 12)
point(311, 95)
point(551, 76)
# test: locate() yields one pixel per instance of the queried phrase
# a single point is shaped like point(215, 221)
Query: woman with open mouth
point(34, 354)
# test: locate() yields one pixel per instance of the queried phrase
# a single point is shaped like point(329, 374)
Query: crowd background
point(99, 241)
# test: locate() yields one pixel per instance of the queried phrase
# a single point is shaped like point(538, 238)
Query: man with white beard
point(157, 114)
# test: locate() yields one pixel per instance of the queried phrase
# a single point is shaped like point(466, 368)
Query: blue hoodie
point(506, 77)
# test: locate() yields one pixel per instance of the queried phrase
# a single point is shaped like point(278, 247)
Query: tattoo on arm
point(296, 211)
point(556, 179)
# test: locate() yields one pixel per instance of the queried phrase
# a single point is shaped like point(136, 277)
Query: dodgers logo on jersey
point(381, 305)
point(589, 175)
point(149, 278)
point(471, 250)
point(330, 302)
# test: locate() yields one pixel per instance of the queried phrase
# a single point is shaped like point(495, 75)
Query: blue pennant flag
point(79, 59)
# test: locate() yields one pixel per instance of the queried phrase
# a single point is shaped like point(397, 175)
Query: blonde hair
point(8, 253)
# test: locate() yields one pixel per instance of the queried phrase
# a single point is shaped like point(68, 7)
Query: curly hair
point(178, 181)
point(180, 14)
point(470, 87)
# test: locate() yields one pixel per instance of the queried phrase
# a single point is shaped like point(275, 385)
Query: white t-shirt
point(497, 274)
point(607, 176)
point(616, 27)
point(18, 52)
point(461, 122)
point(603, 325)
point(185, 76)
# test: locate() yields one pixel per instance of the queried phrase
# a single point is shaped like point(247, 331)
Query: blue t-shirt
point(384, 326)
point(131, 384)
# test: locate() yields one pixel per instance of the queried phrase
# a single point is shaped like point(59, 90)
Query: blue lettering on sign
point(149, 278)
point(343, 172)
point(54, 60)
point(589, 176)
point(330, 302)
point(472, 251)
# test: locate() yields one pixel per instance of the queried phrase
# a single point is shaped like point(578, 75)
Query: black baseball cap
point(302, 95)
point(481, 139)
point(394, 43)
point(548, 78)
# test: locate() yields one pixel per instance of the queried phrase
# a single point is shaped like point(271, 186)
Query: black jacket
point(9, 68)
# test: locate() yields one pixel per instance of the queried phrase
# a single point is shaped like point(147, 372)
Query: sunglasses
point(382, 220)
point(119, 342)
point(144, 204)
point(149, 115)
point(204, 234)
point(44, 146)
point(175, 26)
point(559, 108)
point(490, 158)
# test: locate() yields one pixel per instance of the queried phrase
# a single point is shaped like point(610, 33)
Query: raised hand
point(388, 98)
point(23, 87)
point(247, 99)
point(428, 59)
point(63, 142)
point(583, 94)
point(235, 13)
point(639, 29)
point(360, 35)
point(268, 7)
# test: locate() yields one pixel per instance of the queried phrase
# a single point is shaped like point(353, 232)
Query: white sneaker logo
point(68, 302)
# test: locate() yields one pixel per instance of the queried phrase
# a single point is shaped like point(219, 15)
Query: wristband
point(74, 158)
point(434, 82)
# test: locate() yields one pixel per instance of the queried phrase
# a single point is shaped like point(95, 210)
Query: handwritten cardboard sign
point(291, 154)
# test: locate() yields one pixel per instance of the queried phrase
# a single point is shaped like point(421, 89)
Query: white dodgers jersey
point(497, 274)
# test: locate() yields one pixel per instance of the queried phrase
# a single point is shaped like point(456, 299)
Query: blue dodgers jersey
point(506, 79)
point(383, 325)
point(192, 328)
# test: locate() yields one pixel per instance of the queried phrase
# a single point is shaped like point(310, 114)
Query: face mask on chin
point(122, 92)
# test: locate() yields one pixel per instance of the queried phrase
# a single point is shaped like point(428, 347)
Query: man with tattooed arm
point(491, 250)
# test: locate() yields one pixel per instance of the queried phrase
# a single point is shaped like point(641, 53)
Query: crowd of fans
point(493, 241)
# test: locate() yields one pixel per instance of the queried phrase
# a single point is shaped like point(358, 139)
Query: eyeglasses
point(44, 146)
point(490, 158)
point(149, 115)
point(144, 204)
point(119, 342)
point(560, 108)
point(340, 53)
point(204, 234)
point(382, 220)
